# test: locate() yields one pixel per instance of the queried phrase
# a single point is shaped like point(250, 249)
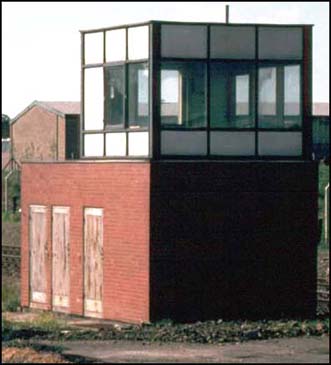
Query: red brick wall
point(34, 136)
point(122, 190)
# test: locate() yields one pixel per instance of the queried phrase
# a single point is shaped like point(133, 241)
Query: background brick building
point(46, 131)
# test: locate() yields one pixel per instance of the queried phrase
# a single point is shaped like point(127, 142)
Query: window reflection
point(232, 95)
point(183, 95)
point(292, 90)
point(267, 91)
point(114, 105)
point(138, 95)
point(279, 96)
point(242, 95)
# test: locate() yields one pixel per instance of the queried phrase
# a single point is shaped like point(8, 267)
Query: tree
point(5, 126)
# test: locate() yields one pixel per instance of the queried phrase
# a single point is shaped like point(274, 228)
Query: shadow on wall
point(233, 241)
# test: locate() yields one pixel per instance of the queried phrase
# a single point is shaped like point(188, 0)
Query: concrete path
point(292, 350)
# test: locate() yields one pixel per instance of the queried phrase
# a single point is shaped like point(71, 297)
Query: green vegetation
point(5, 120)
point(10, 295)
point(11, 217)
point(48, 327)
point(14, 192)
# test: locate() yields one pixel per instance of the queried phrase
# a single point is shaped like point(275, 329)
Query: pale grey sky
point(41, 40)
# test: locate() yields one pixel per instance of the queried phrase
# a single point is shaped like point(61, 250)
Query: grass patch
point(45, 326)
point(10, 295)
point(48, 321)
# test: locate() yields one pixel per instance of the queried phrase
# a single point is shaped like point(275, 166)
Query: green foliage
point(14, 191)
point(10, 295)
point(5, 126)
point(49, 327)
point(11, 217)
point(14, 185)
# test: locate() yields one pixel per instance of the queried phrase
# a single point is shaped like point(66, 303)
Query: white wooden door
point(93, 261)
point(38, 254)
point(60, 258)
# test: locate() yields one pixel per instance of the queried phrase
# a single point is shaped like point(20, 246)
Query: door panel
point(93, 261)
point(60, 258)
point(38, 254)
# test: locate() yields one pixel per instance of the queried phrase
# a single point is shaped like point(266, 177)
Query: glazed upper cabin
point(165, 90)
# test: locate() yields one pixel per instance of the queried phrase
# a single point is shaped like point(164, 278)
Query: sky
point(41, 40)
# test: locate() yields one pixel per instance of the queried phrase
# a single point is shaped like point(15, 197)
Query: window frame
point(279, 116)
point(183, 95)
point(107, 126)
point(155, 60)
point(251, 70)
point(127, 83)
point(124, 127)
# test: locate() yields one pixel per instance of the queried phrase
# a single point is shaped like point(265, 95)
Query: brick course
point(187, 240)
point(122, 190)
point(38, 135)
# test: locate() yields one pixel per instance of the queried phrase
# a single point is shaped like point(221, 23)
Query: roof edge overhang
point(95, 30)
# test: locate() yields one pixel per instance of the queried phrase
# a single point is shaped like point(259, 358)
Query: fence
point(11, 258)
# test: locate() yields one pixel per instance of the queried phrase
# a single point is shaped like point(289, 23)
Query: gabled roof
point(65, 107)
point(61, 108)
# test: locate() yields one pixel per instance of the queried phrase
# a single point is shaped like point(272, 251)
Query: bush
point(10, 295)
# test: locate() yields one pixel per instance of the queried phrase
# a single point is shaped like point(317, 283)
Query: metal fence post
point(326, 213)
point(6, 189)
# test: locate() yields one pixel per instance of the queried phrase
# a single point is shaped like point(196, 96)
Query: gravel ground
point(17, 355)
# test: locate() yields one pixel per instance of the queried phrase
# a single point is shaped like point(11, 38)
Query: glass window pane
point(93, 46)
point(188, 41)
point(138, 144)
point(242, 95)
point(93, 98)
point(232, 95)
point(267, 91)
point(292, 90)
point(114, 98)
point(183, 94)
point(170, 93)
point(280, 143)
point(232, 42)
point(138, 95)
point(93, 145)
point(115, 144)
point(191, 143)
point(232, 143)
point(280, 43)
point(115, 45)
point(138, 43)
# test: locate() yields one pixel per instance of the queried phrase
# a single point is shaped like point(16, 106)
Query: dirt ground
point(313, 350)
point(293, 350)
point(27, 355)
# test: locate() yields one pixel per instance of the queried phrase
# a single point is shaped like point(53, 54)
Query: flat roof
point(191, 23)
